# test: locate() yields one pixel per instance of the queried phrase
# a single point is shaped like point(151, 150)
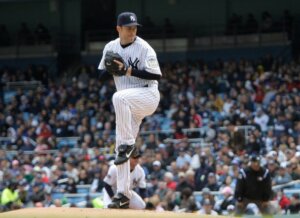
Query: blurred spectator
point(206, 194)
point(287, 22)
point(267, 22)
point(227, 201)
point(212, 182)
point(42, 34)
point(152, 186)
point(234, 24)
point(207, 208)
point(157, 172)
point(187, 200)
point(262, 119)
point(182, 183)
point(251, 24)
point(283, 200)
point(236, 138)
point(151, 143)
point(97, 183)
point(71, 186)
point(201, 174)
point(25, 36)
point(294, 207)
point(48, 200)
point(282, 176)
point(83, 178)
point(169, 180)
point(168, 27)
point(38, 193)
point(10, 197)
point(182, 159)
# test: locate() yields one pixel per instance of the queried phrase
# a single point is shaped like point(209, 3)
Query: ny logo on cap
point(132, 18)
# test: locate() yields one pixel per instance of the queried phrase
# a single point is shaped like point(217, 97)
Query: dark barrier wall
point(59, 16)
point(203, 13)
point(65, 15)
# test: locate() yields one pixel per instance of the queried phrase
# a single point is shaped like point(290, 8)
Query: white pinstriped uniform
point(137, 180)
point(132, 101)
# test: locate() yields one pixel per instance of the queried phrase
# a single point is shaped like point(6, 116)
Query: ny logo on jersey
point(132, 18)
point(134, 63)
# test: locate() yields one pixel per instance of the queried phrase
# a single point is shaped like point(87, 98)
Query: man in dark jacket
point(253, 186)
point(201, 174)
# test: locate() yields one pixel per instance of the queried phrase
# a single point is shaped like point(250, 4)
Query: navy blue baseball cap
point(127, 19)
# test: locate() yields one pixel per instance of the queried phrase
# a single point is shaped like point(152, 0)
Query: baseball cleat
point(120, 201)
point(124, 153)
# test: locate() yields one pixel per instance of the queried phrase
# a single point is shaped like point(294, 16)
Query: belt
point(149, 85)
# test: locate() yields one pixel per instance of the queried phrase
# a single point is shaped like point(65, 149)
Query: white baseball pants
point(131, 107)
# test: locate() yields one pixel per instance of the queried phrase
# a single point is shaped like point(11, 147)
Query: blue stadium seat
point(57, 195)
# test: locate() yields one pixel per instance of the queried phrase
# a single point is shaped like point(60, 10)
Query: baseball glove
point(113, 67)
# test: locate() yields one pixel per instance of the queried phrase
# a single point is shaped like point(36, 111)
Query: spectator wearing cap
point(201, 174)
point(182, 183)
point(48, 200)
point(207, 208)
point(282, 175)
point(38, 193)
point(157, 171)
point(206, 194)
point(212, 183)
point(152, 186)
point(272, 166)
point(255, 144)
point(254, 185)
point(23, 192)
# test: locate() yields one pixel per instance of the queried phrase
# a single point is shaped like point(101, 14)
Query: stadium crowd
point(262, 96)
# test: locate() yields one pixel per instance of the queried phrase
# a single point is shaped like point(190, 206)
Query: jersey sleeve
point(151, 62)
point(101, 65)
point(111, 176)
point(142, 180)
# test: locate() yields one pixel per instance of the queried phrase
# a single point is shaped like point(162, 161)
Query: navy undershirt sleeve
point(143, 74)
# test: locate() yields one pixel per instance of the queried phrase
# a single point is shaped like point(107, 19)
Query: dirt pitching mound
point(95, 213)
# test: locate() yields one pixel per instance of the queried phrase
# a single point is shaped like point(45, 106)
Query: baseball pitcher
point(133, 64)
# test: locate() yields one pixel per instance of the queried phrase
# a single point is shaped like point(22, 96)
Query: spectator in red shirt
point(169, 179)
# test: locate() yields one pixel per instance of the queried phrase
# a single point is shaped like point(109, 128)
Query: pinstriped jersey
point(137, 177)
point(139, 55)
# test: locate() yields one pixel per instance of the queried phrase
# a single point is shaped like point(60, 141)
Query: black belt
point(146, 85)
